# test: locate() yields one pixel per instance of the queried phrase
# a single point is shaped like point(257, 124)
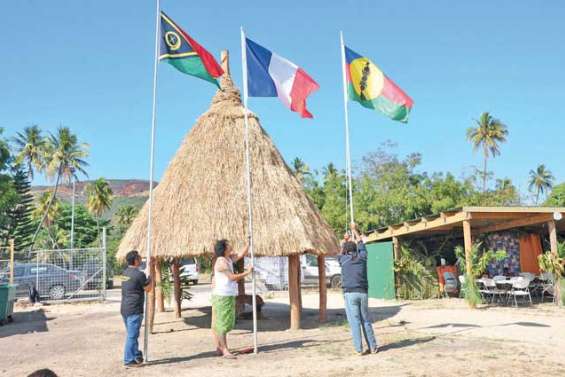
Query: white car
point(189, 267)
point(309, 265)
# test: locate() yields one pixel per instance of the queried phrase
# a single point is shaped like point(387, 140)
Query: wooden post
point(396, 251)
point(322, 287)
point(177, 287)
point(159, 297)
point(468, 248)
point(11, 246)
point(294, 290)
point(240, 302)
point(553, 243)
point(151, 300)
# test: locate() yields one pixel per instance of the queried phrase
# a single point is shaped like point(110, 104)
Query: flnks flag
point(270, 75)
point(369, 86)
point(185, 54)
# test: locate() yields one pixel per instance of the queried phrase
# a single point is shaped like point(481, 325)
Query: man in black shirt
point(133, 299)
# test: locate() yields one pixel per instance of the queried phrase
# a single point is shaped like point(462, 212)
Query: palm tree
point(64, 158)
point(300, 169)
point(47, 210)
point(99, 198)
point(30, 149)
point(330, 170)
point(541, 180)
point(488, 134)
point(125, 215)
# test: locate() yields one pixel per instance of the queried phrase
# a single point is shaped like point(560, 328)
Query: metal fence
point(7, 263)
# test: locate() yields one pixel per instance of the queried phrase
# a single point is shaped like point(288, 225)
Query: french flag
point(270, 75)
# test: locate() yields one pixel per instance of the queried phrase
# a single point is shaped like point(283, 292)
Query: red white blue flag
point(270, 75)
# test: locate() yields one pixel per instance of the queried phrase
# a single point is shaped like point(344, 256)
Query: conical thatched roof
point(202, 195)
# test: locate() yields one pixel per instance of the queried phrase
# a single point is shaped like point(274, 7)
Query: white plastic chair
point(520, 288)
point(492, 291)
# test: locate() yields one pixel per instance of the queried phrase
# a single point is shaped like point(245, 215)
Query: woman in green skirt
point(224, 292)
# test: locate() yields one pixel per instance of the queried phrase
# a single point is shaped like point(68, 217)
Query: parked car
point(92, 271)
point(51, 281)
point(273, 271)
point(310, 271)
point(189, 269)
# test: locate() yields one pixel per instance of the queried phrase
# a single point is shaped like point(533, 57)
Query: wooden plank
point(468, 240)
point(159, 297)
point(294, 290)
point(421, 225)
point(323, 290)
point(517, 223)
point(177, 287)
point(552, 228)
point(151, 299)
point(515, 209)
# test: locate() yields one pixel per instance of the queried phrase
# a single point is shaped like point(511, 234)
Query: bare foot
point(228, 355)
point(219, 351)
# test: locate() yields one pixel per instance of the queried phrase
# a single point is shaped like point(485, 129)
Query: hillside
point(126, 192)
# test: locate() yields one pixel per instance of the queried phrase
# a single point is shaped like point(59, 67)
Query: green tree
point(300, 169)
point(99, 198)
point(557, 196)
point(8, 194)
point(64, 160)
point(125, 216)
point(30, 149)
point(488, 134)
point(46, 211)
point(21, 222)
point(541, 181)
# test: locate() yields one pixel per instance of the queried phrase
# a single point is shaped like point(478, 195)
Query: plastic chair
point(520, 288)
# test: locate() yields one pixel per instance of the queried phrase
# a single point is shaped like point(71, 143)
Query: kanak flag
point(270, 75)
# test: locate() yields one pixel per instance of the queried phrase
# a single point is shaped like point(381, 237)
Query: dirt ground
point(430, 338)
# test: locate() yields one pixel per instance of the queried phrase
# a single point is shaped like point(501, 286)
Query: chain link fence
point(62, 274)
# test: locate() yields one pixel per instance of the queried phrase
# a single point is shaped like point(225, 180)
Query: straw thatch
point(202, 195)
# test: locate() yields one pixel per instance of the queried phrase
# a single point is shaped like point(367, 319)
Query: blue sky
point(88, 65)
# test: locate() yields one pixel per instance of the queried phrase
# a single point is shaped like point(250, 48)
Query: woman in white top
point(224, 292)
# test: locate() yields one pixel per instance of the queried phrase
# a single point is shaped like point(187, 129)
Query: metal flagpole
point(345, 110)
point(151, 169)
point(249, 193)
point(73, 217)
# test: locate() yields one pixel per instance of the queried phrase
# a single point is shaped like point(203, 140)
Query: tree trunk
point(159, 297)
point(178, 289)
point(32, 244)
point(485, 172)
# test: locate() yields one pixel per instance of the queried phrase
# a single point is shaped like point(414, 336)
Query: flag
point(270, 75)
point(369, 86)
point(185, 54)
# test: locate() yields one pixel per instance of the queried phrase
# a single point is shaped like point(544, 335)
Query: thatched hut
point(202, 197)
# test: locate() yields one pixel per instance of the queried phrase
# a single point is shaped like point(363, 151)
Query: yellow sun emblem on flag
point(173, 40)
point(367, 78)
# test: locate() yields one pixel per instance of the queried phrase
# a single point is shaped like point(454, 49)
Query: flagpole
point(151, 173)
point(249, 192)
point(346, 113)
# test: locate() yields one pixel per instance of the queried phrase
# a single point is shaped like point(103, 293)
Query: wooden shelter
point(473, 221)
point(201, 198)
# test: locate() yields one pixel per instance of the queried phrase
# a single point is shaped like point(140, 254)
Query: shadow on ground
point(25, 323)
point(276, 317)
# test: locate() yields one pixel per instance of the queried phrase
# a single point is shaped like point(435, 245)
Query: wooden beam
point(323, 290)
point(177, 287)
point(525, 220)
point(421, 225)
point(294, 290)
point(151, 299)
point(240, 302)
point(396, 252)
point(468, 240)
point(514, 209)
point(159, 297)
point(554, 250)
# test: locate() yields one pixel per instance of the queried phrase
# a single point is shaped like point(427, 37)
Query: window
point(311, 260)
point(19, 271)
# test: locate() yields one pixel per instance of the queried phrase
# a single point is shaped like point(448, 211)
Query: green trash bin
point(7, 299)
